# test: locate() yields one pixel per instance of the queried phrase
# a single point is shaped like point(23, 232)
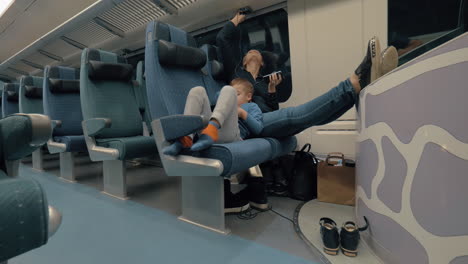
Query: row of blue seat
point(101, 109)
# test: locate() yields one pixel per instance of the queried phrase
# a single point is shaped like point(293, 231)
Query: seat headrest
point(217, 70)
point(162, 31)
point(62, 72)
point(60, 86)
point(106, 71)
point(171, 54)
point(270, 61)
point(32, 92)
point(217, 67)
point(12, 96)
point(12, 87)
point(212, 52)
point(32, 81)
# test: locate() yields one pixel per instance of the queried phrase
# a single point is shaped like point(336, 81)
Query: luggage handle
point(306, 146)
point(336, 155)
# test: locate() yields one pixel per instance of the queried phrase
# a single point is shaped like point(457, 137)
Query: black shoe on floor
point(369, 69)
point(349, 238)
point(330, 236)
point(233, 203)
point(256, 193)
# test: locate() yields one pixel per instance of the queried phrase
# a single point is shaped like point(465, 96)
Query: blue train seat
point(30, 95)
point(10, 102)
point(141, 95)
point(213, 72)
point(61, 100)
point(112, 122)
point(26, 220)
point(2, 85)
point(30, 102)
point(174, 66)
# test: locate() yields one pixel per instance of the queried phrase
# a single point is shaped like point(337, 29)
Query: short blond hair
point(246, 85)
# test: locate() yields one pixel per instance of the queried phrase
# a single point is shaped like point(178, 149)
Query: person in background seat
point(247, 67)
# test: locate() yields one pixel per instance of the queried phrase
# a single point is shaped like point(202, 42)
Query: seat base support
point(115, 182)
point(67, 166)
point(12, 167)
point(38, 160)
point(203, 202)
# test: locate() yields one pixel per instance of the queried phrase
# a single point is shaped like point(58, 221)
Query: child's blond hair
point(246, 85)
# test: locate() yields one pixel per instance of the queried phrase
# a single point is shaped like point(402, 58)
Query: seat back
point(30, 95)
point(213, 72)
point(62, 99)
point(106, 91)
point(173, 67)
point(141, 94)
point(10, 102)
point(2, 84)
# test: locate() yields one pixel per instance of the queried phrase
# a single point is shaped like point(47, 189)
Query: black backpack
point(293, 176)
point(303, 179)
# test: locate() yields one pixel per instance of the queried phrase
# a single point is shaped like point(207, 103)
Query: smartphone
point(245, 10)
point(267, 77)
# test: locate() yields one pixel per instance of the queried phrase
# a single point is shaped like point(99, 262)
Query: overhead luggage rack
point(103, 21)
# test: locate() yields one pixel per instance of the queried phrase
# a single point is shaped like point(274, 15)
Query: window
point(417, 26)
point(268, 32)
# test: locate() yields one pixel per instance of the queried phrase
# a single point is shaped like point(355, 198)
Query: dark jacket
point(229, 42)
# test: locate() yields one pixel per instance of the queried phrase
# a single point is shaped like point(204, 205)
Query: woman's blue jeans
point(320, 111)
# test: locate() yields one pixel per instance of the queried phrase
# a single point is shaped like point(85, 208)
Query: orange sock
point(186, 141)
point(212, 131)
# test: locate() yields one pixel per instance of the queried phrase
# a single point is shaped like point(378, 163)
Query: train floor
point(97, 228)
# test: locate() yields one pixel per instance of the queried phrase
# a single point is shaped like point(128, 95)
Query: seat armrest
point(52, 146)
point(94, 126)
point(56, 124)
point(177, 126)
point(21, 134)
point(91, 128)
point(183, 165)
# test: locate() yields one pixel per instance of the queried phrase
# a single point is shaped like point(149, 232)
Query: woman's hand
point(241, 113)
point(275, 80)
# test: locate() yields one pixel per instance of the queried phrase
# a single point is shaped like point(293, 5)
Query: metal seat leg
point(203, 202)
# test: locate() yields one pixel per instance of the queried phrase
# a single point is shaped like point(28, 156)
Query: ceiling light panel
point(90, 34)
point(11, 74)
point(22, 67)
point(131, 14)
point(60, 48)
point(40, 59)
point(181, 3)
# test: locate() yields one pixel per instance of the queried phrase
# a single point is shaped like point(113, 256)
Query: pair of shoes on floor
point(254, 195)
point(376, 63)
point(347, 239)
